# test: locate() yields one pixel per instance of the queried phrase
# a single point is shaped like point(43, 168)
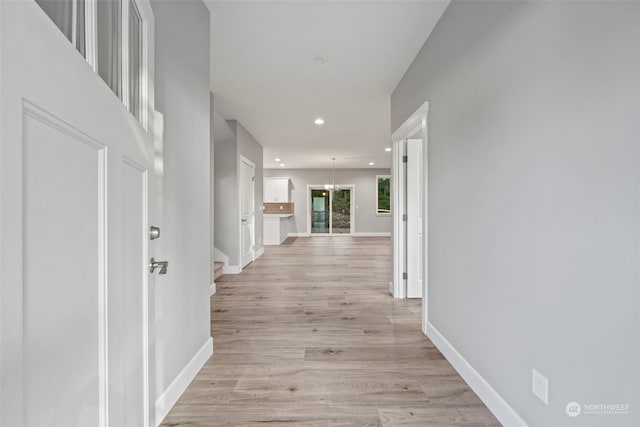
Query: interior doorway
point(330, 211)
point(247, 211)
point(410, 209)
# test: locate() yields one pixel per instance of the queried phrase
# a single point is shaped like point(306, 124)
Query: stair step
point(217, 269)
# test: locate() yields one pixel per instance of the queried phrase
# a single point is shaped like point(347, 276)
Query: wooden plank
point(308, 335)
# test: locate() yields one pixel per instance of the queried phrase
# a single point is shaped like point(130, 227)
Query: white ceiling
point(265, 74)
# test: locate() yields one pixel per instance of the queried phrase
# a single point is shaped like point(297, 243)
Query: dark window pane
point(80, 29)
point(61, 13)
point(384, 195)
point(341, 212)
point(135, 59)
point(110, 43)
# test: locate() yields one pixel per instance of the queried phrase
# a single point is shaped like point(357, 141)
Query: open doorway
point(247, 211)
point(330, 211)
point(410, 201)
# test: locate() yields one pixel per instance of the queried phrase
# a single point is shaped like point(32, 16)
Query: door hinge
point(404, 276)
point(253, 179)
point(405, 159)
point(404, 217)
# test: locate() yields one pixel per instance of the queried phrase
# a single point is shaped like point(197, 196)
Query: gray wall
point(534, 197)
point(232, 140)
point(182, 95)
point(227, 211)
point(365, 195)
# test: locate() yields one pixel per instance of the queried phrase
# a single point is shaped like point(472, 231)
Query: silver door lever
point(162, 265)
point(154, 232)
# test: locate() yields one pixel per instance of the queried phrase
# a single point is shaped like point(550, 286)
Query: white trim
point(46, 118)
point(397, 198)
point(416, 122)
point(90, 37)
point(252, 165)
point(212, 289)
point(103, 301)
point(170, 396)
point(373, 234)
point(231, 269)
point(489, 396)
point(297, 235)
point(124, 52)
point(259, 252)
point(411, 122)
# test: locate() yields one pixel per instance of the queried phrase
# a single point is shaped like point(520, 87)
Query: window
point(383, 196)
point(111, 35)
point(135, 60)
point(109, 21)
point(68, 15)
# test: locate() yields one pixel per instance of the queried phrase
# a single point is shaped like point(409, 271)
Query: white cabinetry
point(275, 228)
point(276, 189)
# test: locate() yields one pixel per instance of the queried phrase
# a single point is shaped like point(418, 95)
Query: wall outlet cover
point(540, 386)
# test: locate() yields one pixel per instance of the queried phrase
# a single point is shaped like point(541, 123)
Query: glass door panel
point(320, 213)
point(341, 212)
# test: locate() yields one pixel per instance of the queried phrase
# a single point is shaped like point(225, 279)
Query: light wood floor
point(308, 335)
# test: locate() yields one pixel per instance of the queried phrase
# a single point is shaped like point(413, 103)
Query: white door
point(414, 218)
point(247, 211)
point(75, 174)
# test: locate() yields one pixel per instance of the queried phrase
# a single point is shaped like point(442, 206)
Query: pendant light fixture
point(333, 185)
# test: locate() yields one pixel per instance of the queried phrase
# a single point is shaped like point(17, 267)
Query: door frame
point(252, 165)
point(352, 218)
point(417, 121)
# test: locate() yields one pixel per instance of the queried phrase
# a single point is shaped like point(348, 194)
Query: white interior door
point(75, 173)
point(247, 211)
point(414, 218)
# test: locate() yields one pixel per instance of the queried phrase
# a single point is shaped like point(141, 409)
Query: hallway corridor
point(308, 335)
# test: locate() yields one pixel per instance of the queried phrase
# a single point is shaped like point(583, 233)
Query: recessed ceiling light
point(277, 160)
point(281, 165)
point(387, 149)
point(319, 121)
point(371, 163)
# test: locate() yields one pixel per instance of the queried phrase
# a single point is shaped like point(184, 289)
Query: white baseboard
point(259, 252)
point(220, 256)
point(231, 269)
point(496, 404)
point(212, 289)
point(170, 396)
point(364, 234)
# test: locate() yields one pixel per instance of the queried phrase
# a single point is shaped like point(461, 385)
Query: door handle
point(244, 220)
point(162, 265)
point(154, 232)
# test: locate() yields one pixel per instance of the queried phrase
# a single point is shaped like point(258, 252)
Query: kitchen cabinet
point(276, 189)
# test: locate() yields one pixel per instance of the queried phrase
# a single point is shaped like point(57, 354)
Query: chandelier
point(332, 186)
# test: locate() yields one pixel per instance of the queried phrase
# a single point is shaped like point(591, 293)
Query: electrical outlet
point(540, 386)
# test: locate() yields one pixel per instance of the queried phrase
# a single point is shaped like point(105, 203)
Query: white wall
point(182, 95)
point(365, 196)
point(534, 198)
